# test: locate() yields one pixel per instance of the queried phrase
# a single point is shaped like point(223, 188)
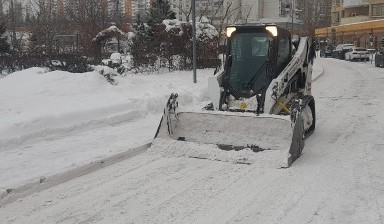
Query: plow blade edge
point(234, 137)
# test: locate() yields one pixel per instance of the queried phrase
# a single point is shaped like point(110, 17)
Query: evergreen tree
point(160, 10)
point(142, 46)
point(4, 46)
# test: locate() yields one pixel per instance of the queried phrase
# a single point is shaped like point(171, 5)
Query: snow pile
point(233, 129)
point(171, 24)
point(201, 133)
point(36, 103)
point(173, 148)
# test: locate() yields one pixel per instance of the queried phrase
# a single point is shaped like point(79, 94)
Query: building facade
point(354, 11)
point(360, 22)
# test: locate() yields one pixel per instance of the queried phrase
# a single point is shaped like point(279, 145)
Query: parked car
point(357, 53)
point(327, 51)
point(340, 50)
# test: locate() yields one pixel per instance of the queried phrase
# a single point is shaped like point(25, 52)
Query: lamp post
point(292, 12)
point(194, 40)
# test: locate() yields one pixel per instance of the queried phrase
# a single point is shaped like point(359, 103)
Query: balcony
point(354, 19)
point(354, 3)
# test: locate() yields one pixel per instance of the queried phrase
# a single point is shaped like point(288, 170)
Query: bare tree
point(312, 13)
point(91, 16)
point(186, 12)
point(220, 15)
point(46, 26)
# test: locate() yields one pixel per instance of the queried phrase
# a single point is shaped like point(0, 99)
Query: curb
point(319, 75)
point(12, 194)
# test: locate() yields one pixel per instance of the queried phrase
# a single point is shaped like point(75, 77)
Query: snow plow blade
point(266, 140)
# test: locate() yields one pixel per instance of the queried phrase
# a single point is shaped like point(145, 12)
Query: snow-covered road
point(338, 179)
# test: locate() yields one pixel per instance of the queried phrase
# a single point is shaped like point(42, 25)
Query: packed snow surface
point(338, 179)
point(54, 121)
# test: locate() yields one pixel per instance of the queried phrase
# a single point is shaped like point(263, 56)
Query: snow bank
point(36, 103)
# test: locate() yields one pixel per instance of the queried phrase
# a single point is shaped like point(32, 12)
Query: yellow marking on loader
point(243, 106)
point(284, 107)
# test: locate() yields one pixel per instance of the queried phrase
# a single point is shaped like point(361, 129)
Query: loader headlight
point(230, 30)
point(272, 30)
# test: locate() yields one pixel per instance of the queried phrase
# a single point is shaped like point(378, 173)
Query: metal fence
point(65, 62)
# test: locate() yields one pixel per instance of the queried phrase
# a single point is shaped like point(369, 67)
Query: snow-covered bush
point(207, 49)
point(108, 73)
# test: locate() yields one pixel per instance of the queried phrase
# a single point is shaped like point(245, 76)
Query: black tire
point(312, 128)
point(298, 142)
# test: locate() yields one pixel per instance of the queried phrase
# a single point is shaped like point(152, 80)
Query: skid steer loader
point(261, 103)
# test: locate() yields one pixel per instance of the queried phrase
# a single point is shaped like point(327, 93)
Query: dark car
point(326, 51)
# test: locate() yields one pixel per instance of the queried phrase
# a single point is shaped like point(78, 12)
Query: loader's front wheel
point(297, 144)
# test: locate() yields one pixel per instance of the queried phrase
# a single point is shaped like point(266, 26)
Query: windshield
point(249, 53)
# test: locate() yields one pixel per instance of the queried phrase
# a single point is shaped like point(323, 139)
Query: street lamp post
point(194, 39)
point(292, 13)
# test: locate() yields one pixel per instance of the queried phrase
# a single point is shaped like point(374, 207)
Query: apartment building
point(353, 11)
point(360, 22)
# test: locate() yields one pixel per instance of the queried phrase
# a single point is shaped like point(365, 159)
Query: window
point(249, 61)
point(259, 46)
point(378, 10)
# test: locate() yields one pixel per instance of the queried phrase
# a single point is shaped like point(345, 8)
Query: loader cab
point(256, 54)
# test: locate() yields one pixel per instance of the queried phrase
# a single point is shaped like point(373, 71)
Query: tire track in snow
point(131, 193)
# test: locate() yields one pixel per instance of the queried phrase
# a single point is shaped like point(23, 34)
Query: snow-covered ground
point(338, 179)
point(55, 121)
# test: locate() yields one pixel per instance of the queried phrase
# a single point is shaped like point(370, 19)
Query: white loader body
point(238, 134)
